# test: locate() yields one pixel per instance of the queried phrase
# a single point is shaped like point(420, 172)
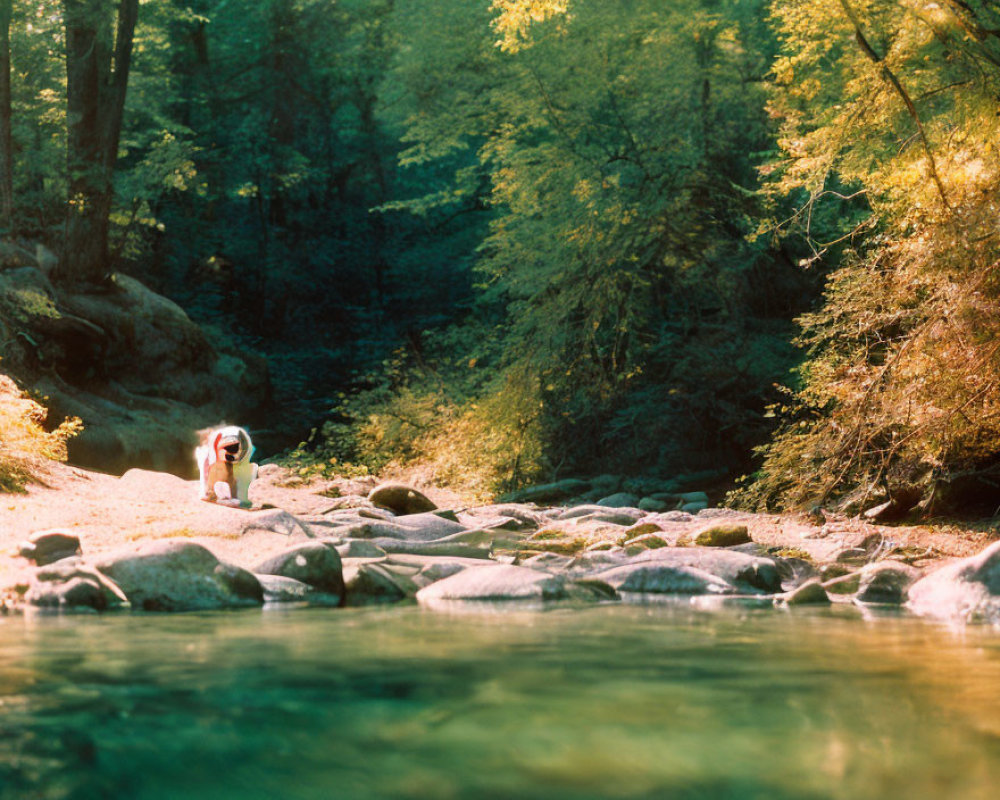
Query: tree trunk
point(96, 82)
point(6, 141)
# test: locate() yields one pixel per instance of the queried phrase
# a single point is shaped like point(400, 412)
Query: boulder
point(376, 583)
point(746, 573)
point(400, 499)
point(809, 593)
point(655, 578)
point(619, 500)
point(968, 589)
point(45, 547)
point(724, 535)
point(886, 583)
point(74, 593)
point(314, 563)
point(180, 575)
point(501, 582)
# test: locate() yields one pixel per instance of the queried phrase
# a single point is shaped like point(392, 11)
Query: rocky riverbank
point(92, 542)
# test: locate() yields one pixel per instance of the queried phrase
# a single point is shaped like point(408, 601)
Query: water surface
point(618, 701)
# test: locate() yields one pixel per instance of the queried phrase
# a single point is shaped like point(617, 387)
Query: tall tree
point(6, 140)
point(97, 69)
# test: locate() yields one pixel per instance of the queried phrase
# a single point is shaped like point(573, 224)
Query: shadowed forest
point(510, 241)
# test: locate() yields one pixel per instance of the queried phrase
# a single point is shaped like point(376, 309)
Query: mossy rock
point(643, 528)
point(648, 541)
point(722, 536)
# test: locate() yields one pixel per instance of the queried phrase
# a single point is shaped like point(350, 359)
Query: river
point(664, 700)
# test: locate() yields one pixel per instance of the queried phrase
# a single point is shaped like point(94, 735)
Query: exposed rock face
point(400, 499)
point(967, 590)
point(170, 378)
point(180, 575)
point(314, 563)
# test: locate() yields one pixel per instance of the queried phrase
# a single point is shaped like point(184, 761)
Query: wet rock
point(809, 593)
point(376, 583)
point(314, 563)
point(744, 572)
point(887, 583)
point(663, 579)
point(843, 584)
point(794, 571)
point(725, 535)
point(75, 569)
point(74, 593)
point(619, 500)
point(500, 582)
point(180, 575)
point(360, 548)
point(45, 547)
point(968, 589)
point(400, 499)
point(278, 589)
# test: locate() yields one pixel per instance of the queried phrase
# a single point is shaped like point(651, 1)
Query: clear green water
point(657, 701)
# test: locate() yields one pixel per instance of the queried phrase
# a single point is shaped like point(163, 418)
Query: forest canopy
point(513, 240)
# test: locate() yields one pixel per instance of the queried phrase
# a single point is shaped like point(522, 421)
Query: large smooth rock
point(180, 575)
point(652, 578)
point(46, 547)
point(745, 572)
point(314, 563)
point(497, 582)
point(887, 582)
point(968, 589)
point(400, 499)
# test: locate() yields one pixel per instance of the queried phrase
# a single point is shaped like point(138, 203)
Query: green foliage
point(899, 387)
point(25, 444)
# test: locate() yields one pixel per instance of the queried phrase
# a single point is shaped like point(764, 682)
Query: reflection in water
point(640, 701)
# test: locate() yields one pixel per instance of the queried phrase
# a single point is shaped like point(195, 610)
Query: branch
point(891, 78)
